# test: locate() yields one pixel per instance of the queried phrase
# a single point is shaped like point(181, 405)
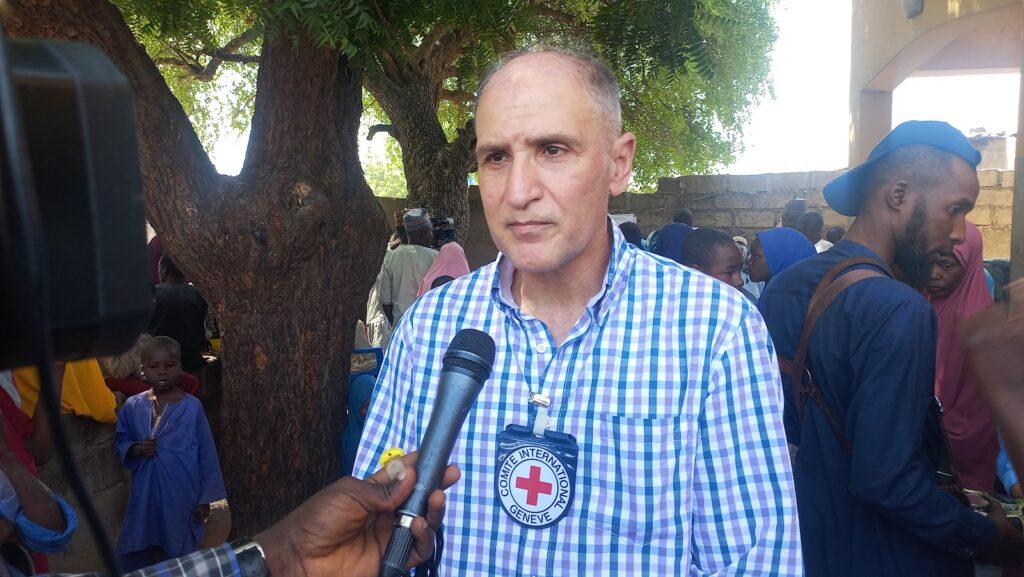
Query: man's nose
point(522, 186)
point(959, 234)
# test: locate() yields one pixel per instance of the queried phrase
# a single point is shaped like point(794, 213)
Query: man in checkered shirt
point(665, 378)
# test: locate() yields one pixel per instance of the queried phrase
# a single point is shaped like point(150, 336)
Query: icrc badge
point(536, 479)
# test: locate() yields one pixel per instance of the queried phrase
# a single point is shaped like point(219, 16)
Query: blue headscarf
point(359, 391)
point(783, 247)
point(669, 243)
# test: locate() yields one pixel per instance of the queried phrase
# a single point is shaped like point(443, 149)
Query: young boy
point(164, 439)
point(715, 254)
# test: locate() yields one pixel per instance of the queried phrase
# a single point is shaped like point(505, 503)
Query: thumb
point(388, 490)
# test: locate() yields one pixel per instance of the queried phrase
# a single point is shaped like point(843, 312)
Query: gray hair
point(599, 78)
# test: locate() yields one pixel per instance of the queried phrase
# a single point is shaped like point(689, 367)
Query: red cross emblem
point(533, 486)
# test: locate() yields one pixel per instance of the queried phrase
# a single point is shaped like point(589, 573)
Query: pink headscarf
point(450, 261)
point(968, 422)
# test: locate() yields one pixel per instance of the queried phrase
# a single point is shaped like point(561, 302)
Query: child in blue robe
point(164, 439)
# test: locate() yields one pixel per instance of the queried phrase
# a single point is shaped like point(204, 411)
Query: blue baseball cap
point(845, 193)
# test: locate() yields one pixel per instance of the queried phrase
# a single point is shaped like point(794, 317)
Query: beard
point(912, 248)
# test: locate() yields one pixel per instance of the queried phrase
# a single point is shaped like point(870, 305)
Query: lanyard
point(540, 422)
point(159, 419)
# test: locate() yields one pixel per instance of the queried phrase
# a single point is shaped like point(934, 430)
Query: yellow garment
point(84, 393)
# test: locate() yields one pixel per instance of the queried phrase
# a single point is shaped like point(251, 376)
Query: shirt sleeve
point(123, 438)
point(215, 562)
point(894, 360)
point(744, 513)
point(389, 421)
point(1004, 468)
point(38, 538)
point(385, 281)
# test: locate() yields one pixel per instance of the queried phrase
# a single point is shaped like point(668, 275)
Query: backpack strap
point(830, 287)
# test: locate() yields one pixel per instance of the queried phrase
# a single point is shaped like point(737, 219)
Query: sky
point(805, 125)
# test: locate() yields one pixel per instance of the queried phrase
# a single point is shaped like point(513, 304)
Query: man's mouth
point(527, 227)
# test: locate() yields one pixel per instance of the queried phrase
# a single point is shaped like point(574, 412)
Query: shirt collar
point(616, 277)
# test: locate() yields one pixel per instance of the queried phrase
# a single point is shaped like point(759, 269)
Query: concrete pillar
point(871, 121)
point(1017, 229)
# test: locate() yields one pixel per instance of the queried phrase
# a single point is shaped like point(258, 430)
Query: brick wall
point(746, 204)
point(108, 483)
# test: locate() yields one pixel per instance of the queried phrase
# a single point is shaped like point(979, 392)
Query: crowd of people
point(812, 412)
point(151, 393)
point(809, 401)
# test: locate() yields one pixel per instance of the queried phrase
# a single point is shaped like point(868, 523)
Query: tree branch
point(230, 57)
point(555, 13)
point(388, 128)
point(236, 43)
point(403, 46)
point(229, 52)
point(438, 62)
point(286, 124)
point(429, 42)
point(456, 96)
point(218, 56)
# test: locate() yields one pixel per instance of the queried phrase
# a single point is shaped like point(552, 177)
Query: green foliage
point(690, 70)
point(688, 102)
point(182, 37)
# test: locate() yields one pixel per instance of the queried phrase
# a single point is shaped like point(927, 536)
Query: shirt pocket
point(638, 494)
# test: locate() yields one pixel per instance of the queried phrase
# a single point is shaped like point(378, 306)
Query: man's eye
point(553, 150)
point(495, 157)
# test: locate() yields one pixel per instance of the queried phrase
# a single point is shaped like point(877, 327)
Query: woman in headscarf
point(957, 289)
point(669, 243)
point(774, 250)
point(450, 261)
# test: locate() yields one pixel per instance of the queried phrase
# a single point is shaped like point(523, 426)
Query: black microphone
point(467, 364)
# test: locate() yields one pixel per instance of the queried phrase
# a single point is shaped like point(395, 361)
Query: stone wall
point(108, 482)
point(746, 204)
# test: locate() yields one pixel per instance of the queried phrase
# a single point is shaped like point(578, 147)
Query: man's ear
point(897, 195)
point(622, 152)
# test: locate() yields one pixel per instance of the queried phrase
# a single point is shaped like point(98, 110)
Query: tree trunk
point(277, 250)
point(436, 171)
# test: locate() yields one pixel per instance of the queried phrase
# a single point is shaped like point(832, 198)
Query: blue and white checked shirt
point(668, 382)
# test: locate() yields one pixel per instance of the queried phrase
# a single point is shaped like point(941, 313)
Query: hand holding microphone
point(344, 528)
point(467, 365)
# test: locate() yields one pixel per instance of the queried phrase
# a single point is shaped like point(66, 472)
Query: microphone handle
point(456, 393)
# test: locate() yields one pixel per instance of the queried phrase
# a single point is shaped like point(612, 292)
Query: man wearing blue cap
point(869, 437)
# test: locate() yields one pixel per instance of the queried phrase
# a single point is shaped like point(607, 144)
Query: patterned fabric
point(668, 382)
point(216, 562)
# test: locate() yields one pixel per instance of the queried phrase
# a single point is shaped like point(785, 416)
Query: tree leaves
point(690, 70)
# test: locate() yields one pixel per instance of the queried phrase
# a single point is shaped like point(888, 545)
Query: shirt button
point(542, 347)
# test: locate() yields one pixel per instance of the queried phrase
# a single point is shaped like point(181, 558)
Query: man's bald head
point(598, 78)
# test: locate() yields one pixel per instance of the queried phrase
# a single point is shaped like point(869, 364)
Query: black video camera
point(444, 231)
point(72, 222)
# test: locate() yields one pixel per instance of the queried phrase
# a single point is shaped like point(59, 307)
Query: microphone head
point(473, 351)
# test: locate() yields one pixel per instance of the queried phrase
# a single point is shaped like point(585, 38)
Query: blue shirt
point(167, 488)
point(669, 383)
point(873, 355)
point(1004, 468)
